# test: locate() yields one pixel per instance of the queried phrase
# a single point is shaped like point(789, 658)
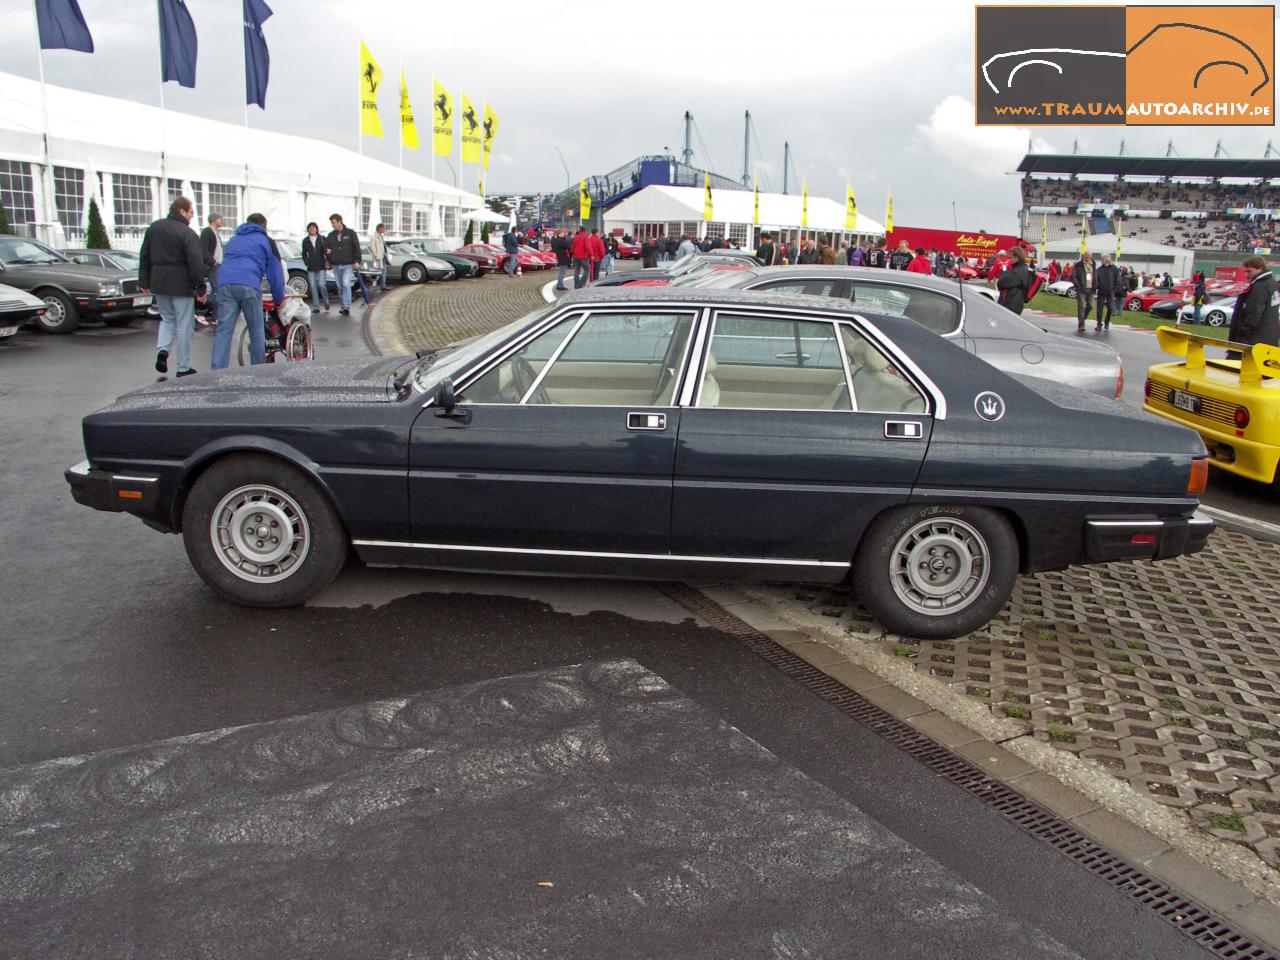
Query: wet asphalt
point(787, 828)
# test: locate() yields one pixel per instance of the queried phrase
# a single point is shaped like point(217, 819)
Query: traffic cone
point(519, 270)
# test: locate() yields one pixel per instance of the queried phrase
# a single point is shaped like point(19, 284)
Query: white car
point(1063, 288)
point(16, 308)
point(1216, 313)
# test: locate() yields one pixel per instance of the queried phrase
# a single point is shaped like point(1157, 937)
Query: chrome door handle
point(646, 421)
point(903, 430)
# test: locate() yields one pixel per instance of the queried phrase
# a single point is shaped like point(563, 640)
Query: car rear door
point(566, 443)
point(775, 459)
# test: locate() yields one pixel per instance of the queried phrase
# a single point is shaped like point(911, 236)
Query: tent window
point(68, 197)
point(387, 213)
point(422, 221)
point(738, 233)
point(366, 206)
point(132, 196)
point(224, 198)
point(15, 190)
point(406, 218)
point(175, 189)
point(449, 221)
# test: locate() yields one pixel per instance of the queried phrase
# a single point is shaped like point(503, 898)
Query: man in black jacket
point(765, 252)
point(211, 247)
point(876, 257)
point(171, 266)
point(1107, 282)
point(562, 247)
point(1084, 277)
point(342, 247)
point(1015, 283)
point(1254, 319)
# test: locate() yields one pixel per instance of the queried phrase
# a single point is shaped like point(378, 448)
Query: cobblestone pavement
point(1167, 674)
point(435, 314)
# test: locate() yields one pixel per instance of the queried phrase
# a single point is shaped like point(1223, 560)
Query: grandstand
point(1206, 205)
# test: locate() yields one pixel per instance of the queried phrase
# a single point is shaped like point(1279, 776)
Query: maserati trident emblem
point(989, 406)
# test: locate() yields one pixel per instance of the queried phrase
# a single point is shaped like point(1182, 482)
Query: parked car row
point(70, 291)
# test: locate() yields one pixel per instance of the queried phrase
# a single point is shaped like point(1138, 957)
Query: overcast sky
point(877, 94)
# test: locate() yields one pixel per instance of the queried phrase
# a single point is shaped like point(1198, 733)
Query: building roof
point(1149, 166)
point(90, 131)
point(660, 204)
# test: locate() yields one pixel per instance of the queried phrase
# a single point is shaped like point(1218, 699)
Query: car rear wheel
point(1133, 306)
point(61, 314)
point(261, 533)
point(936, 572)
point(414, 273)
point(1215, 318)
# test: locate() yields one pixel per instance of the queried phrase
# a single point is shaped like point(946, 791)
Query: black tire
point(299, 283)
point(1215, 318)
point(896, 595)
point(312, 555)
point(298, 344)
point(61, 315)
point(414, 273)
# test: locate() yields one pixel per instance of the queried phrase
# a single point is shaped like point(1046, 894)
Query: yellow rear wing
point(1256, 359)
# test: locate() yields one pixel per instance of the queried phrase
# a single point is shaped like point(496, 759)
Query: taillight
point(1120, 379)
point(1242, 417)
point(1146, 389)
point(1199, 478)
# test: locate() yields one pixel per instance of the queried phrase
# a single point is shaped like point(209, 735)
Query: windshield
point(431, 246)
point(126, 258)
point(289, 249)
point(22, 250)
point(454, 360)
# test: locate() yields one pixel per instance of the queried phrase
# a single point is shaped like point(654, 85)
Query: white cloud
point(989, 152)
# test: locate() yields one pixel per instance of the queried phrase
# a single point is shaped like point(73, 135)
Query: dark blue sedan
point(655, 433)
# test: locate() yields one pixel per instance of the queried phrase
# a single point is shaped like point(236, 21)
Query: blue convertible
point(655, 433)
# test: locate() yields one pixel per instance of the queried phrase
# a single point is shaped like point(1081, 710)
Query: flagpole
point(359, 137)
point(164, 175)
point(44, 112)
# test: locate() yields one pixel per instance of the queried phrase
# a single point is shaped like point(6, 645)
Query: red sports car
point(1144, 298)
point(628, 250)
point(525, 257)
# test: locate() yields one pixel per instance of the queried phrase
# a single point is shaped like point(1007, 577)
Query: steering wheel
point(523, 376)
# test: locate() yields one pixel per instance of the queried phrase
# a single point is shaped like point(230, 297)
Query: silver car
point(409, 263)
point(1216, 312)
point(958, 313)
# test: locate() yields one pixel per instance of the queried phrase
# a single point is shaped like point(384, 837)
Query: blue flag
point(62, 26)
point(257, 59)
point(177, 43)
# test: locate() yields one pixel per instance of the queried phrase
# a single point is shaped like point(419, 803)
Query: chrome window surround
point(555, 355)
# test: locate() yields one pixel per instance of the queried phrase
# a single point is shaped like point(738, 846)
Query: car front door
point(564, 444)
point(798, 432)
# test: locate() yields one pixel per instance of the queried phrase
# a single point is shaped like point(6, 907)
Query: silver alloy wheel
point(55, 314)
point(299, 285)
point(1216, 318)
point(415, 273)
point(260, 533)
point(939, 566)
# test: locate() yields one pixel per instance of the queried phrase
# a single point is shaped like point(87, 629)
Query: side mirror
point(445, 398)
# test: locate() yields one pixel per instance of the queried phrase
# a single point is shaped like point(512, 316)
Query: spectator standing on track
point(687, 246)
point(342, 249)
point(670, 247)
point(1085, 279)
point(808, 256)
point(1053, 271)
point(378, 253)
point(1254, 319)
point(610, 253)
point(826, 254)
point(765, 252)
point(171, 266)
point(899, 259)
point(876, 256)
point(211, 246)
point(581, 250)
point(1015, 283)
point(1198, 298)
point(1108, 283)
point(597, 252)
point(920, 263)
point(250, 257)
point(857, 255)
point(313, 259)
point(563, 250)
point(512, 246)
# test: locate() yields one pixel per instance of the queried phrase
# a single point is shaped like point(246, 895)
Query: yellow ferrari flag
point(708, 210)
point(850, 209)
point(888, 215)
point(1119, 237)
point(755, 209)
point(408, 129)
point(804, 203)
point(1084, 232)
point(370, 80)
point(584, 201)
point(490, 131)
point(441, 119)
point(470, 132)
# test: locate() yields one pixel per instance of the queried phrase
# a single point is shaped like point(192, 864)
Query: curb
point(380, 324)
point(1259, 529)
point(548, 291)
point(1229, 880)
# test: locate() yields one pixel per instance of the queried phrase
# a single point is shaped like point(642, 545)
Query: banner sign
point(964, 243)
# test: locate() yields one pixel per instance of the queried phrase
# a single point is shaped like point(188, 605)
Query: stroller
point(288, 331)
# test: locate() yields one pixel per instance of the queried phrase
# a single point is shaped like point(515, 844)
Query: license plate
point(8, 331)
point(142, 301)
point(1185, 401)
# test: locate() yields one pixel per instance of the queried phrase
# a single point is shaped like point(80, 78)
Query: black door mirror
point(445, 398)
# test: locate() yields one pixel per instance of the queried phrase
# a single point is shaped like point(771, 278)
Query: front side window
point(618, 359)
point(932, 310)
point(774, 364)
point(510, 380)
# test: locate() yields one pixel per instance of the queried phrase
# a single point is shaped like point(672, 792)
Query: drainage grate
point(1193, 920)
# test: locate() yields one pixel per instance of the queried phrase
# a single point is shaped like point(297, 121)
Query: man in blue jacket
point(248, 257)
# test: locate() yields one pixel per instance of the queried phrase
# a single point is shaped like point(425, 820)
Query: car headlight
point(108, 289)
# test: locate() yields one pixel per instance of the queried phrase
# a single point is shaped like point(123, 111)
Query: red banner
point(964, 243)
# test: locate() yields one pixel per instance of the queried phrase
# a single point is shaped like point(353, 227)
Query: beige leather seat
point(710, 388)
point(880, 390)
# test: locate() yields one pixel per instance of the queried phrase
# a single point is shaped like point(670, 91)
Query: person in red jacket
point(920, 263)
point(1053, 270)
point(596, 246)
point(581, 258)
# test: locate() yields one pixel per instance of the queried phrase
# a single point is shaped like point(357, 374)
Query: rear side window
point(813, 286)
point(930, 309)
point(774, 364)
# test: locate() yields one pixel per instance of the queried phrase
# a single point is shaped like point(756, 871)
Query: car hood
point(11, 298)
point(90, 276)
point(320, 383)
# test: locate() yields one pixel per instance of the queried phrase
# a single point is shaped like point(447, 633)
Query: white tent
point(117, 148)
point(778, 211)
point(485, 215)
point(1136, 254)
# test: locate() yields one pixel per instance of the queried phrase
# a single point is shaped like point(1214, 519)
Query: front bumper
point(134, 493)
point(109, 308)
point(1122, 538)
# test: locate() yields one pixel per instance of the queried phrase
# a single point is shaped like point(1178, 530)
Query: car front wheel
point(1133, 306)
point(1215, 318)
point(414, 273)
point(61, 315)
point(936, 572)
point(299, 283)
point(261, 533)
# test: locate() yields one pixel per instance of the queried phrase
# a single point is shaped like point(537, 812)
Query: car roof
point(705, 297)
point(897, 277)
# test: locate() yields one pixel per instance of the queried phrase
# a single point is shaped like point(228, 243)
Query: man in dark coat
point(1108, 283)
point(1254, 319)
point(1084, 277)
point(211, 246)
point(877, 256)
point(171, 266)
point(765, 252)
point(342, 249)
point(562, 248)
point(1015, 283)
point(649, 252)
point(314, 259)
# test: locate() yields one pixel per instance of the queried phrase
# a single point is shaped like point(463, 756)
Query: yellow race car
point(1233, 404)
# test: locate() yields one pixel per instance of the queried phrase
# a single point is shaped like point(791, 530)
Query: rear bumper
point(1248, 458)
point(1123, 538)
point(134, 493)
